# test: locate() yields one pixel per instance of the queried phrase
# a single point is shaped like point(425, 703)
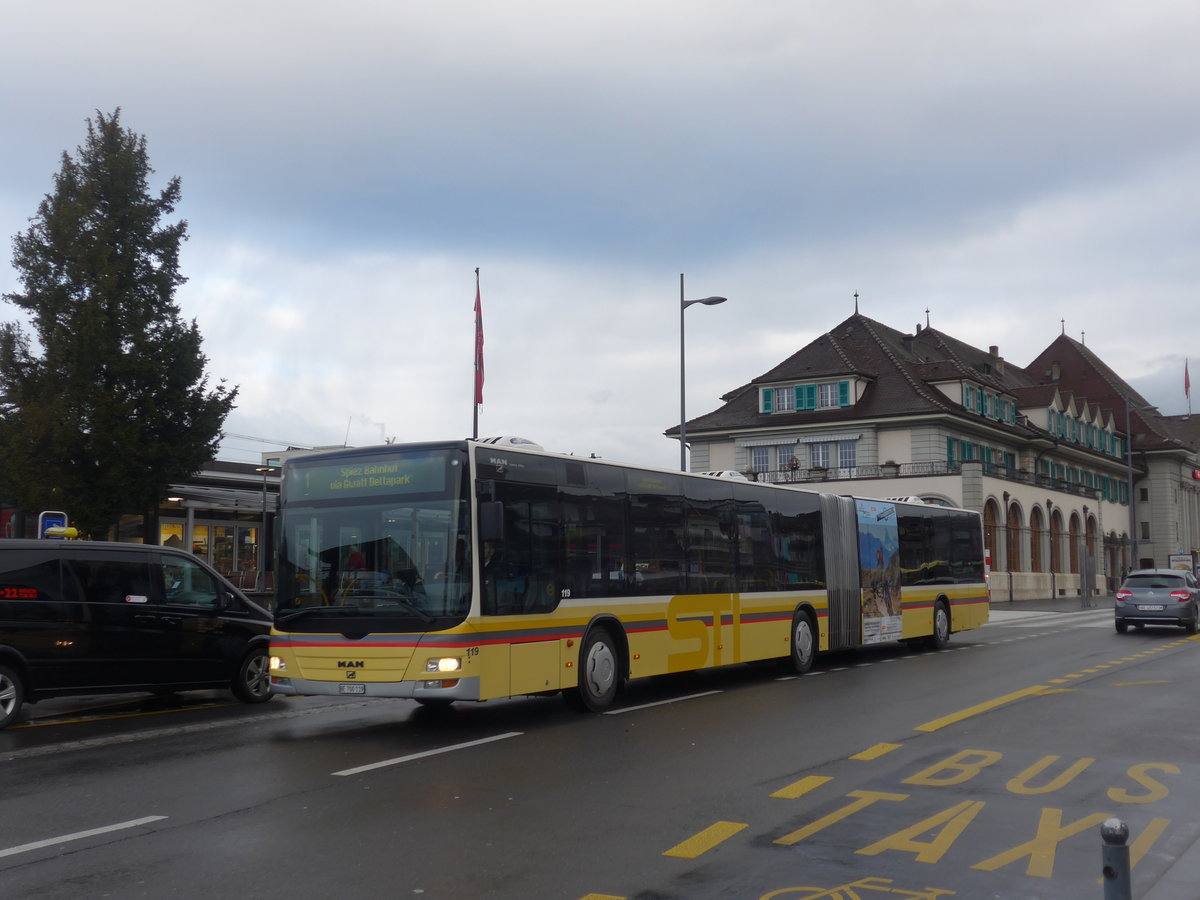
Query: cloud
point(1014, 168)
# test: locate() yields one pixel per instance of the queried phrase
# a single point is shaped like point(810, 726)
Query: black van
point(83, 617)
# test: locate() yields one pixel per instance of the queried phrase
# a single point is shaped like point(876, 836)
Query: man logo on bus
point(351, 664)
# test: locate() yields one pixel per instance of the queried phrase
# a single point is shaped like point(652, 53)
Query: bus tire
point(12, 695)
point(940, 639)
point(804, 642)
point(599, 673)
point(252, 684)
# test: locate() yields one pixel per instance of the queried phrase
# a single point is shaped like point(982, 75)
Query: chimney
point(997, 359)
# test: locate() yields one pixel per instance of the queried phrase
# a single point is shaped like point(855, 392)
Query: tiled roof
point(900, 371)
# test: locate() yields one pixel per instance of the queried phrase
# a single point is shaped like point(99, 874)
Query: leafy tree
point(113, 403)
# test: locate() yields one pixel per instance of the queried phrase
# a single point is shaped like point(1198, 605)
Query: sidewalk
point(1055, 604)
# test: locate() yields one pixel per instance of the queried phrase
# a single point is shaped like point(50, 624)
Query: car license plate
point(362, 688)
point(1148, 607)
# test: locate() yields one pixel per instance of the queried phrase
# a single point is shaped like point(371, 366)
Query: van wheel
point(253, 681)
point(12, 695)
point(599, 673)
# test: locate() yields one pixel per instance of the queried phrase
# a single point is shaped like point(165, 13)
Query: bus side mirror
point(491, 521)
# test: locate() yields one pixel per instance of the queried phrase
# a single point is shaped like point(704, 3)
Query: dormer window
point(804, 397)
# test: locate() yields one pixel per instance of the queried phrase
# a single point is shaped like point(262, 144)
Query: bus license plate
point(1149, 607)
point(355, 688)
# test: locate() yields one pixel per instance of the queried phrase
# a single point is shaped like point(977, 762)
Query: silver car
point(1158, 597)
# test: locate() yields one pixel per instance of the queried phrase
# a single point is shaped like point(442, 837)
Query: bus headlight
point(278, 665)
point(443, 664)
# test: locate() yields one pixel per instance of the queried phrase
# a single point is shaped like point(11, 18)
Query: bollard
point(1115, 857)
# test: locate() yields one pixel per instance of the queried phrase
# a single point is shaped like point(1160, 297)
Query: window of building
point(847, 454)
point(760, 459)
point(819, 455)
point(1143, 494)
point(784, 399)
point(827, 395)
point(1145, 531)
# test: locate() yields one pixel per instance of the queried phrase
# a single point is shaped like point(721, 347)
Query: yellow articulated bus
point(472, 570)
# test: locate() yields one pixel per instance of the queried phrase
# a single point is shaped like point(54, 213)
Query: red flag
point(1187, 382)
point(478, 343)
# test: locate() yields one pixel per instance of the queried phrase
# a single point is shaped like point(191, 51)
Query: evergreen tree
point(113, 404)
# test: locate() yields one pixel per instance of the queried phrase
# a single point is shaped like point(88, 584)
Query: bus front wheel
point(804, 643)
point(599, 673)
point(940, 639)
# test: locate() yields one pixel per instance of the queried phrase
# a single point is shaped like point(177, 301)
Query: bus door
point(839, 524)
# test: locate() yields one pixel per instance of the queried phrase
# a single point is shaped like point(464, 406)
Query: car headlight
point(443, 664)
point(278, 664)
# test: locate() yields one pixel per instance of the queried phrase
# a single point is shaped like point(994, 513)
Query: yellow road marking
point(875, 752)
point(801, 787)
point(706, 839)
point(980, 708)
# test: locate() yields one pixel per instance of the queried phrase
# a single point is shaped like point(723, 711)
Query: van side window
point(31, 589)
point(186, 584)
point(114, 580)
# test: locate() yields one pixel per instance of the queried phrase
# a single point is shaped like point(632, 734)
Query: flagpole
point(477, 381)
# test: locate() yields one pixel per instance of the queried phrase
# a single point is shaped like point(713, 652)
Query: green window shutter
point(810, 396)
point(843, 393)
point(798, 397)
point(767, 396)
point(968, 397)
point(950, 450)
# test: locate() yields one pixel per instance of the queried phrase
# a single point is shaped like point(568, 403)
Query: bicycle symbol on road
point(850, 891)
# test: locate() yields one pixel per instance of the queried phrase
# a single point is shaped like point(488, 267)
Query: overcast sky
point(1009, 166)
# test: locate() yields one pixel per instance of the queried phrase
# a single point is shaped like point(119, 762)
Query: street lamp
point(260, 578)
point(683, 305)
point(1133, 540)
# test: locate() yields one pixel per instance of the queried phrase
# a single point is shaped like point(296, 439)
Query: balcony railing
point(799, 475)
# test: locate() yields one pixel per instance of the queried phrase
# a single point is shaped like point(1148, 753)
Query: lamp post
point(1133, 540)
point(683, 305)
point(260, 578)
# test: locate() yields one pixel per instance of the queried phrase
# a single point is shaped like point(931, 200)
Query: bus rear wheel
point(599, 673)
point(804, 643)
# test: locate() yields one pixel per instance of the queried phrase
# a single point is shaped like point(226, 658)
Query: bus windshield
point(374, 542)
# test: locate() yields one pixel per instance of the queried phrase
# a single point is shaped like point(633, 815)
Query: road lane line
point(798, 789)
point(875, 752)
point(625, 709)
point(426, 753)
point(956, 717)
point(707, 839)
point(79, 835)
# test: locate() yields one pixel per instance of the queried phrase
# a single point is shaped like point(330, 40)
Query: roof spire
point(856, 303)
point(927, 317)
point(1063, 323)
